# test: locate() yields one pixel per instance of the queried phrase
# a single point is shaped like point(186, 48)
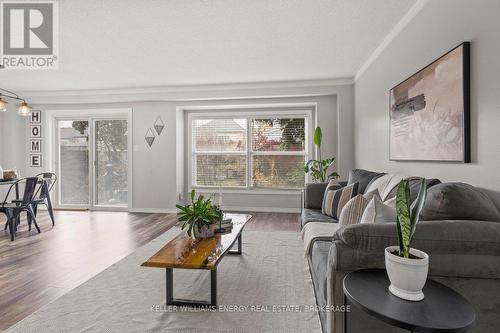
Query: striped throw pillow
point(353, 210)
point(335, 199)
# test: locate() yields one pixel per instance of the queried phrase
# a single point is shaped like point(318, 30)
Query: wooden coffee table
point(184, 252)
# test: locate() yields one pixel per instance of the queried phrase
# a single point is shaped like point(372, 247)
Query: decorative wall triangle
point(159, 125)
point(150, 137)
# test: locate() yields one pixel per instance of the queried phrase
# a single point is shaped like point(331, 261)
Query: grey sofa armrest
point(456, 248)
point(313, 194)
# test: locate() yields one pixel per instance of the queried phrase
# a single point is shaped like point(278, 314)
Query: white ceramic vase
point(407, 276)
point(205, 232)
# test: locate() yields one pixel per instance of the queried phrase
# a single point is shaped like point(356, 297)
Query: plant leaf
point(417, 207)
point(333, 175)
point(404, 217)
point(318, 137)
point(400, 236)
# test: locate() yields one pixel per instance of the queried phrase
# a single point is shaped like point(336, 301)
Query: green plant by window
point(408, 214)
point(200, 213)
point(318, 168)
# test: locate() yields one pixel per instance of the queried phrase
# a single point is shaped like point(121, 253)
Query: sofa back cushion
point(335, 199)
point(414, 183)
point(458, 201)
point(313, 195)
point(363, 178)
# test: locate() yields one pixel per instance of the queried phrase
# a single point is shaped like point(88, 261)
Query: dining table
point(8, 182)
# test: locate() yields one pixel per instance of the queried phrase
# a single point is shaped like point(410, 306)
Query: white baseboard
point(226, 208)
point(154, 210)
point(261, 209)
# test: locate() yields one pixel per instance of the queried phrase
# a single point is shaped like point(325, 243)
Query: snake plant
point(200, 213)
point(408, 214)
point(318, 168)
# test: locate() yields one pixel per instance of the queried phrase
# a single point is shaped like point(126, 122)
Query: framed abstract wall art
point(430, 111)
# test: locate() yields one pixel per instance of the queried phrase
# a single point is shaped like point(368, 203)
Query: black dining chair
point(13, 208)
point(49, 179)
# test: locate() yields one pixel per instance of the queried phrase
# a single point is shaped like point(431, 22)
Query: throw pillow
point(369, 195)
point(353, 210)
point(414, 184)
point(378, 212)
point(391, 203)
point(363, 177)
point(384, 184)
point(335, 199)
point(332, 185)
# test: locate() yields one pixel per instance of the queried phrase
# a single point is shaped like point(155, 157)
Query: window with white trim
point(264, 150)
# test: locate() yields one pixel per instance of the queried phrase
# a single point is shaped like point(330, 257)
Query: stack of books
point(227, 223)
point(225, 226)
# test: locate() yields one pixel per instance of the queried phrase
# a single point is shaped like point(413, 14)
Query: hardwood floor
point(37, 268)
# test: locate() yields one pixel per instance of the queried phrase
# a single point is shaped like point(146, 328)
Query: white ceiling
point(127, 43)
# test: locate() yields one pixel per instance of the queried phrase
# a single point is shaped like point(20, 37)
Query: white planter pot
point(205, 232)
point(407, 276)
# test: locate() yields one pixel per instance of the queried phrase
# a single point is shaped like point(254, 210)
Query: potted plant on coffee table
point(407, 267)
point(199, 217)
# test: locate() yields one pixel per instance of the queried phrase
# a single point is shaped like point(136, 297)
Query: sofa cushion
point(332, 186)
point(314, 231)
point(458, 201)
point(314, 195)
point(318, 264)
point(379, 212)
point(335, 199)
point(459, 237)
point(353, 210)
point(363, 177)
point(414, 184)
point(315, 215)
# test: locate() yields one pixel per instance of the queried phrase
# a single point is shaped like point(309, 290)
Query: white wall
point(12, 139)
point(437, 28)
point(158, 175)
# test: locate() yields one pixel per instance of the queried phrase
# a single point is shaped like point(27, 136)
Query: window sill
point(249, 191)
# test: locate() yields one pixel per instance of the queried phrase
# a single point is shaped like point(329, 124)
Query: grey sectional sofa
point(459, 229)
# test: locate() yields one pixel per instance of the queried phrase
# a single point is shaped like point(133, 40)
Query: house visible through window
point(248, 152)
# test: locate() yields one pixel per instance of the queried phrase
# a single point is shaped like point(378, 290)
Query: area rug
point(267, 289)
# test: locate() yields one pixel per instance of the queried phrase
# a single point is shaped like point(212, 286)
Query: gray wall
point(158, 175)
point(440, 26)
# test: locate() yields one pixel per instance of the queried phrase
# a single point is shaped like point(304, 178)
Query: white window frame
point(249, 112)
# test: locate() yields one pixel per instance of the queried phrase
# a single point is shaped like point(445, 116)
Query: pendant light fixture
point(24, 108)
point(3, 104)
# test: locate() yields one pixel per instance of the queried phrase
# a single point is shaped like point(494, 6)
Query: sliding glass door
point(74, 175)
point(110, 162)
point(93, 163)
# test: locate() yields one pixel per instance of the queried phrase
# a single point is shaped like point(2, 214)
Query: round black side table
point(442, 309)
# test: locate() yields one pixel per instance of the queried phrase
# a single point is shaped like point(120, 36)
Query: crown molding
point(191, 88)
point(405, 20)
point(215, 92)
